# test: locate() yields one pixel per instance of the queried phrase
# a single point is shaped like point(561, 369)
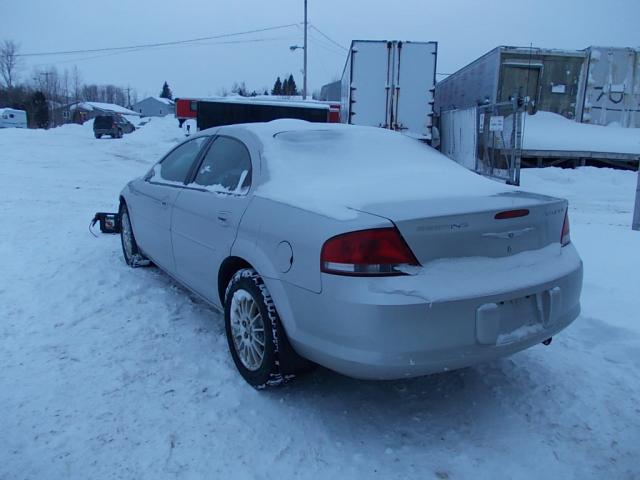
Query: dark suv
point(113, 125)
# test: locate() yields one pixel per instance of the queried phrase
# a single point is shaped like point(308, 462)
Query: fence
point(486, 139)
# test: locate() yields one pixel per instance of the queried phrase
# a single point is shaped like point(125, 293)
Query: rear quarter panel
point(268, 226)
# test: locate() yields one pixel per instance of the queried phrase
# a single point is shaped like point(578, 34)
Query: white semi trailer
point(390, 84)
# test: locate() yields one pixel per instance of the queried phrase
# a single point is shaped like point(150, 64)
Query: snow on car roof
point(335, 168)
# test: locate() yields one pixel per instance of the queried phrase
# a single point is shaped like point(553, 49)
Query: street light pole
point(636, 214)
point(304, 80)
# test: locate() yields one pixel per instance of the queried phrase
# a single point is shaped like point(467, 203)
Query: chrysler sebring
point(355, 248)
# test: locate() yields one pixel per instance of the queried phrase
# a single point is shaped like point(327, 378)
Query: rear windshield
point(103, 121)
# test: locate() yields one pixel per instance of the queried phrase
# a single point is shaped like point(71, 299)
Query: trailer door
point(520, 80)
point(370, 83)
point(414, 88)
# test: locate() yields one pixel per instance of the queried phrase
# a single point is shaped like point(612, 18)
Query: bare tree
point(9, 62)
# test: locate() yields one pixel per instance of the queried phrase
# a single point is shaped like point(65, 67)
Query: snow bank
point(550, 131)
point(335, 168)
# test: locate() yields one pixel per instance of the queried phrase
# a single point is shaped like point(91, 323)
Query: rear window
point(103, 121)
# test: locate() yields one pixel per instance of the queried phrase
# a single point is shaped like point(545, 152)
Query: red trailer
point(186, 108)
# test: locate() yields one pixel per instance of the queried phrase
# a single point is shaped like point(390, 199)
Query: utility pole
point(304, 81)
point(636, 213)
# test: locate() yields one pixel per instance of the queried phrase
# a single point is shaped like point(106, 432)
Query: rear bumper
point(357, 328)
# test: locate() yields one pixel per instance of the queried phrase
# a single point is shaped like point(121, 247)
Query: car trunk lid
point(487, 226)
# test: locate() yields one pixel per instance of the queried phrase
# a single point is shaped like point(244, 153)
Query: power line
point(328, 38)
point(158, 44)
point(135, 50)
point(328, 47)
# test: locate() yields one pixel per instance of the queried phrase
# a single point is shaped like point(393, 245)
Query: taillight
point(565, 238)
point(379, 251)
point(523, 212)
point(113, 125)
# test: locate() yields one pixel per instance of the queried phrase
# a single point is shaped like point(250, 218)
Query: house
point(154, 107)
point(80, 112)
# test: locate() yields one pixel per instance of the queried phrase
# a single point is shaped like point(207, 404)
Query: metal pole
point(636, 213)
point(304, 68)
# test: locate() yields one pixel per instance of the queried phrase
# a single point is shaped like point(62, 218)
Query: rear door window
point(104, 121)
point(226, 167)
point(175, 167)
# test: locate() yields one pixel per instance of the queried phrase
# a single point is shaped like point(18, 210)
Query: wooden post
point(636, 213)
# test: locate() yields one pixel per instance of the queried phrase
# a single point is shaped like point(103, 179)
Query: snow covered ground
point(108, 372)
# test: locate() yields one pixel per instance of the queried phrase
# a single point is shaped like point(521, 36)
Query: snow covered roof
point(105, 107)
point(334, 169)
point(272, 100)
point(9, 109)
point(166, 101)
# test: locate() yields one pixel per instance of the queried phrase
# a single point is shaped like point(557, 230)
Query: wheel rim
point(127, 236)
point(247, 329)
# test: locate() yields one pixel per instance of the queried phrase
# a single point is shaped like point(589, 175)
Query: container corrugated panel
point(475, 84)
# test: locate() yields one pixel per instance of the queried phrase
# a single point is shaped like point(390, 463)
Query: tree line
point(48, 89)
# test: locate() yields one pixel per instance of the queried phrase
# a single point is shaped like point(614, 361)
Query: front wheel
point(132, 255)
point(254, 331)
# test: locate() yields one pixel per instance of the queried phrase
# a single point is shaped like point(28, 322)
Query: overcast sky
point(464, 30)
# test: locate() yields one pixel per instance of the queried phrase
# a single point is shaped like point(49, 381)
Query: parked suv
point(114, 125)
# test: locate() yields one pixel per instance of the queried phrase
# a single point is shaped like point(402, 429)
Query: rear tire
point(132, 255)
point(254, 331)
point(98, 135)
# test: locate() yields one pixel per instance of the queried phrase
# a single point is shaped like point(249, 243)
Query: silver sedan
point(355, 248)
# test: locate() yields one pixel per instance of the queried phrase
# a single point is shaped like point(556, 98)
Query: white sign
point(481, 121)
point(496, 124)
point(558, 88)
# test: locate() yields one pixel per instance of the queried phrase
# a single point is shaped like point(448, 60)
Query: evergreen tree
point(266, 92)
point(285, 87)
point(166, 92)
point(277, 87)
point(293, 89)
point(40, 109)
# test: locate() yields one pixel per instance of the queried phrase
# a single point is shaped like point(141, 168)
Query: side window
point(175, 166)
point(226, 167)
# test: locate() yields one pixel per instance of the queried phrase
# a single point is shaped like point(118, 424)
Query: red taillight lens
point(523, 212)
point(565, 238)
point(378, 251)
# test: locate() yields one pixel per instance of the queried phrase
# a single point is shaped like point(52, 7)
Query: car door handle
point(223, 218)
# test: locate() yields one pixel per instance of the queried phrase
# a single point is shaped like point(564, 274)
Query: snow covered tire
point(132, 255)
point(268, 371)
